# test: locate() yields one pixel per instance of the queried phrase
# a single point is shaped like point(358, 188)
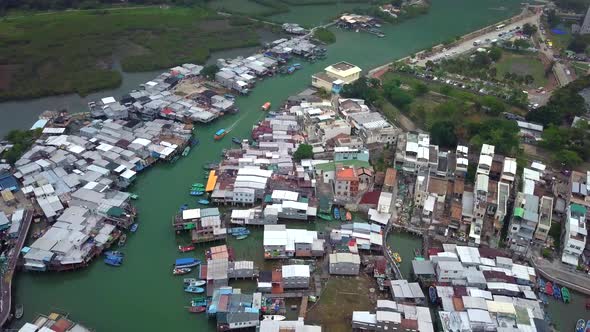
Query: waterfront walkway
point(564, 275)
point(6, 282)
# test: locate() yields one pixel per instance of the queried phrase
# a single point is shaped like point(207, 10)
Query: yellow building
point(336, 76)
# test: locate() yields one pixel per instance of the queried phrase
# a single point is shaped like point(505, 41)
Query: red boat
point(549, 288)
point(196, 310)
point(186, 248)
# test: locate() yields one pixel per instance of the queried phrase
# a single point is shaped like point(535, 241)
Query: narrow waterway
point(142, 295)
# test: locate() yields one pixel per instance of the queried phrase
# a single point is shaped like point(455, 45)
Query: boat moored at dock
point(186, 262)
point(565, 294)
point(194, 289)
point(266, 106)
point(220, 134)
point(186, 248)
point(181, 271)
point(133, 228)
point(580, 325)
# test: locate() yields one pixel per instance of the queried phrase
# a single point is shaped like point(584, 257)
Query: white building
point(575, 234)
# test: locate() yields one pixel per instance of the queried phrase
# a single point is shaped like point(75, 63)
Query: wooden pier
point(303, 307)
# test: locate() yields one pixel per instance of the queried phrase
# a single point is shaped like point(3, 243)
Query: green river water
point(142, 295)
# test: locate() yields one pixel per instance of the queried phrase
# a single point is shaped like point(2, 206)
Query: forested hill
point(86, 4)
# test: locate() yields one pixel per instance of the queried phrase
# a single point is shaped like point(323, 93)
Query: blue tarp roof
point(39, 124)
point(7, 181)
point(184, 261)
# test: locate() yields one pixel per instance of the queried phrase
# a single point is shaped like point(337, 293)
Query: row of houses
point(76, 183)
point(479, 289)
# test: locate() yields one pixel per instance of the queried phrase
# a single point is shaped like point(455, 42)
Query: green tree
point(419, 88)
point(577, 44)
point(361, 89)
point(443, 133)
point(495, 54)
point(568, 158)
point(493, 104)
point(553, 19)
point(554, 138)
point(304, 151)
point(397, 96)
point(495, 131)
point(529, 29)
point(210, 71)
point(521, 44)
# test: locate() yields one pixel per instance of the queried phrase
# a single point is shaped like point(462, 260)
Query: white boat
point(273, 317)
point(198, 283)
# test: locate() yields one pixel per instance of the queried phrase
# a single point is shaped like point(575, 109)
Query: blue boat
point(580, 325)
point(587, 326)
point(336, 213)
point(196, 193)
point(556, 291)
point(237, 230)
point(186, 262)
point(113, 261)
point(194, 289)
point(543, 298)
point(203, 201)
point(432, 294)
point(297, 66)
point(183, 207)
point(111, 253)
point(133, 228)
point(541, 284)
point(291, 70)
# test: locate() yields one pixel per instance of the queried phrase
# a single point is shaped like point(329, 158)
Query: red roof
point(491, 253)
point(434, 251)
point(346, 174)
point(167, 111)
point(61, 325)
point(409, 324)
point(371, 197)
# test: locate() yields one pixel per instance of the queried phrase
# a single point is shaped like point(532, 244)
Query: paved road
point(6, 282)
point(562, 274)
point(467, 45)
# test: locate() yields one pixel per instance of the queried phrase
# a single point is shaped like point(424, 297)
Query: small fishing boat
point(114, 253)
point(397, 257)
point(188, 281)
point(229, 96)
point(343, 214)
point(183, 207)
point(194, 289)
point(203, 202)
point(186, 151)
point(197, 185)
point(549, 288)
point(273, 317)
point(266, 106)
point(113, 261)
point(336, 213)
point(297, 66)
point(543, 298)
point(588, 326)
point(198, 302)
point(325, 216)
point(432, 294)
point(196, 193)
point(19, 311)
point(237, 230)
point(186, 262)
point(134, 196)
point(348, 216)
point(556, 292)
point(541, 284)
point(580, 325)
point(186, 248)
point(181, 271)
point(241, 237)
point(122, 240)
point(197, 310)
point(220, 134)
point(133, 228)
point(565, 294)
point(198, 283)
point(236, 140)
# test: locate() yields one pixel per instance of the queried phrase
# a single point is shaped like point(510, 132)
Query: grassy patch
point(246, 7)
point(580, 68)
point(324, 35)
point(351, 292)
point(522, 65)
point(72, 51)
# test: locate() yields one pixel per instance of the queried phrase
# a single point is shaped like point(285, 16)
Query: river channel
point(142, 295)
